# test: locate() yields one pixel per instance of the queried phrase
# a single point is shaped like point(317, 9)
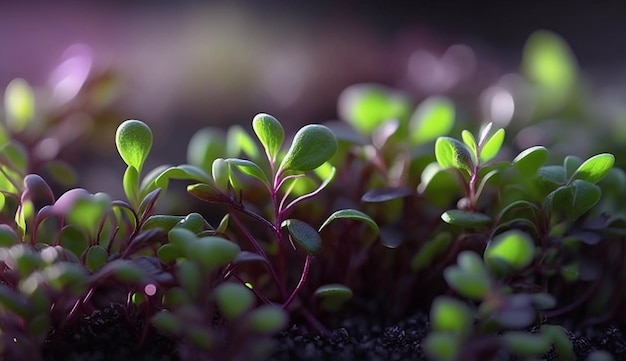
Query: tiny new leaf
point(450, 153)
point(492, 146)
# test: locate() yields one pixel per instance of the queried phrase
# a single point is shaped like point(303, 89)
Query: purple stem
point(305, 272)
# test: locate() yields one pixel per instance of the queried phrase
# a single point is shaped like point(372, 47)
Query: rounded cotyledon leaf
point(312, 145)
point(351, 214)
point(270, 132)
point(134, 141)
point(465, 218)
point(305, 235)
point(595, 168)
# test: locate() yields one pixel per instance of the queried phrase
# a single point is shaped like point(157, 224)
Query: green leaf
point(11, 300)
point(450, 315)
point(189, 275)
point(470, 141)
point(164, 222)
point(238, 141)
point(167, 322)
point(430, 250)
point(562, 344)
point(354, 215)
point(305, 235)
point(586, 195)
point(516, 249)
point(595, 168)
point(212, 252)
point(450, 153)
point(554, 174)
point(571, 163)
point(434, 117)
point(471, 285)
point(312, 145)
point(15, 156)
point(492, 146)
point(530, 160)
point(270, 132)
point(193, 222)
point(89, 210)
point(220, 171)
point(19, 103)
point(442, 346)
point(333, 296)
point(548, 62)
point(134, 141)
point(184, 172)
point(96, 257)
point(233, 300)
point(8, 237)
point(124, 270)
point(204, 146)
point(367, 106)
point(168, 253)
point(131, 185)
point(206, 193)
point(249, 168)
point(526, 344)
point(267, 319)
point(465, 218)
point(73, 239)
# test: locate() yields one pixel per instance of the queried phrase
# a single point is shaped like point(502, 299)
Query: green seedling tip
point(312, 145)
point(134, 141)
point(270, 133)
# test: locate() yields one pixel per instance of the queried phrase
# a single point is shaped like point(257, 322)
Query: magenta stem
point(305, 272)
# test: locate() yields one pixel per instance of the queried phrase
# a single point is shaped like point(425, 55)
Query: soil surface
point(108, 335)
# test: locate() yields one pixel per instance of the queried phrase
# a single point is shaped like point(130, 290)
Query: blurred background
point(180, 66)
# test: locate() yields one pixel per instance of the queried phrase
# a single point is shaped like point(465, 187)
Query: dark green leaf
point(586, 195)
point(167, 322)
point(351, 214)
point(471, 285)
point(267, 319)
point(305, 235)
point(561, 341)
point(554, 174)
point(465, 218)
point(193, 222)
point(8, 237)
point(13, 301)
point(530, 160)
point(442, 346)
point(164, 222)
point(333, 296)
point(212, 252)
point(430, 250)
point(571, 163)
point(233, 300)
point(96, 257)
point(526, 344)
point(168, 253)
point(74, 240)
point(385, 194)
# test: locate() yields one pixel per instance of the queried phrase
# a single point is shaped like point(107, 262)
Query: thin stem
point(305, 272)
point(259, 250)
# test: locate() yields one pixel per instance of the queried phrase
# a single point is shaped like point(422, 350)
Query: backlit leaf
point(134, 141)
point(434, 117)
point(19, 103)
point(204, 146)
point(595, 168)
point(312, 145)
point(586, 195)
point(450, 153)
point(367, 106)
point(450, 315)
point(514, 248)
point(270, 132)
point(492, 146)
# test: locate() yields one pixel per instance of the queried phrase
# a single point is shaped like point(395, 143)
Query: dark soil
point(107, 335)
